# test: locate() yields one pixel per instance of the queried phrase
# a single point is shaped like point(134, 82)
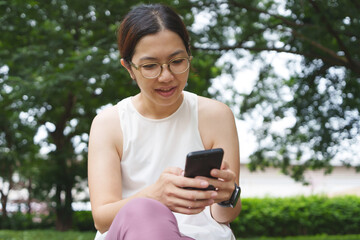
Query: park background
point(288, 69)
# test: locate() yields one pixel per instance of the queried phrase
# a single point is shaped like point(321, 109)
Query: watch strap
point(233, 199)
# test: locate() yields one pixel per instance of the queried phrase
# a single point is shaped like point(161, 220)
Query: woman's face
point(166, 89)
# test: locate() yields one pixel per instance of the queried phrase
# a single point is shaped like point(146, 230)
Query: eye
point(177, 61)
point(149, 66)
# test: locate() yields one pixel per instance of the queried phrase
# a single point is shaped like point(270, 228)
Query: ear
point(128, 68)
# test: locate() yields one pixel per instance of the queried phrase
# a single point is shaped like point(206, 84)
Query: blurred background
point(290, 71)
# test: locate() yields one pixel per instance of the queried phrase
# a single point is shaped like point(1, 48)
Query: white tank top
point(151, 145)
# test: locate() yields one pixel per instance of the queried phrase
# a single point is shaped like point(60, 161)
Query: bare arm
point(105, 183)
point(103, 161)
point(218, 130)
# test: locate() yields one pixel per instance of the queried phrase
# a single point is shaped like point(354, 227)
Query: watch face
point(235, 196)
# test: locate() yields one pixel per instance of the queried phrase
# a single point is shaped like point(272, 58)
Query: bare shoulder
point(107, 115)
point(216, 123)
point(213, 109)
point(106, 127)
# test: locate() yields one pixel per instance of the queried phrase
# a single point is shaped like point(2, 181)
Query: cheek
point(136, 77)
point(142, 83)
point(185, 77)
point(132, 75)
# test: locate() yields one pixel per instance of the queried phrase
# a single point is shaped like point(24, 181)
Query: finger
point(224, 165)
point(226, 175)
point(223, 188)
point(192, 194)
point(185, 182)
point(196, 195)
point(174, 170)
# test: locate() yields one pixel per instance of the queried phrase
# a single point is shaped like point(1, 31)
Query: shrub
point(298, 216)
point(21, 221)
point(83, 221)
point(45, 235)
point(317, 237)
point(275, 217)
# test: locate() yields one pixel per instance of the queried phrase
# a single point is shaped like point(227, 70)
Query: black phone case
point(200, 163)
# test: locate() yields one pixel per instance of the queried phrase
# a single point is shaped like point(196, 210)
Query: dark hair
point(148, 19)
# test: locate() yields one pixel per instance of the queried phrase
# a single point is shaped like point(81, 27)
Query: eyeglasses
point(153, 70)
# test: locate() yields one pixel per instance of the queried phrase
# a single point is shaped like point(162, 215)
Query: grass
point(45, 235)
point(73, 235)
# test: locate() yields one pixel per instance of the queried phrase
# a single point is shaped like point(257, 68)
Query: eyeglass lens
point(177, 66)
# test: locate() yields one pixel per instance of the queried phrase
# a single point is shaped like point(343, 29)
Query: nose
point(165, 75)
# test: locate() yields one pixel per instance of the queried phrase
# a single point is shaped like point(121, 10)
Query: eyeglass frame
point(161, 66)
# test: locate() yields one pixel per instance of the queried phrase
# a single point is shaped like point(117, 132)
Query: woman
point(137, 149)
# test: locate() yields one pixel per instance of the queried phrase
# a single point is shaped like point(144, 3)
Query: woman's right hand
point(169, 190)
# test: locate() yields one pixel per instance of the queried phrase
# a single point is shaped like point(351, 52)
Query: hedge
point(82, 221)
point(317, 237)
point(271, 217)
point(298, 216)
point(21, 221)
point(75, 235)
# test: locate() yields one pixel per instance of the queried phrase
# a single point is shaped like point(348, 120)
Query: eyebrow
point(154, 59)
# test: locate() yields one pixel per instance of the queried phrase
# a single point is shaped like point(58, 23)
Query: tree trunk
point(63, 209)
point(4, 199)
point(29, 198)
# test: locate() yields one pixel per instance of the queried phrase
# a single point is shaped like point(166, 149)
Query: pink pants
point(144, 218)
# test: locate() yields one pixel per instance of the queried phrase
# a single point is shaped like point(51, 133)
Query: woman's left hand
point(224, 182)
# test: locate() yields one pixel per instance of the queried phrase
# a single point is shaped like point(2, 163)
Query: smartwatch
point(233, 199)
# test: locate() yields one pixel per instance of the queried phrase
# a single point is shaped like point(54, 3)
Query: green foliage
point(63, 67)
point(22, 221)
point(72, 235)
point(271, 217)
point(298, 216)
point(320, 98)
point(317, 237)
point(83, 221)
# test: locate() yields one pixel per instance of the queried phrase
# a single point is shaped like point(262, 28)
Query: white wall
point(273, 183)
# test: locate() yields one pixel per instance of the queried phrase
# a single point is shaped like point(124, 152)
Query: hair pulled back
point(148, 19)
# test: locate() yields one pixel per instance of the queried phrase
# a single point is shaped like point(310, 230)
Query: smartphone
point(200, 163)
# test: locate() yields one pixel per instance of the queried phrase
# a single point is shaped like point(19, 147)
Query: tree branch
point(325, 59)
point(321, 47)
point(334, 34)
point(347, 61)
point(253, 9)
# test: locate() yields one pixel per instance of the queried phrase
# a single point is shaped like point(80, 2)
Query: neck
point(150, 109)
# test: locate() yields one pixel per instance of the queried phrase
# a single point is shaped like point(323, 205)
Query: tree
point(65, 53)
point(16, 144)
point(322, 98)
point(63, 67)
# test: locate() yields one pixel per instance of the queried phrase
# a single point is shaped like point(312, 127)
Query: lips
point(166, 92)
